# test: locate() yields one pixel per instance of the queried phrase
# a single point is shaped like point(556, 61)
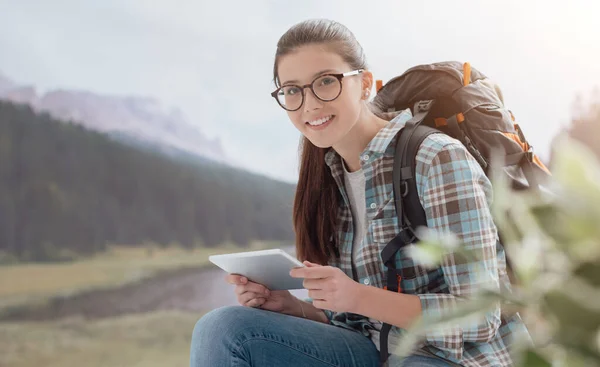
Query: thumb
point(308, 264)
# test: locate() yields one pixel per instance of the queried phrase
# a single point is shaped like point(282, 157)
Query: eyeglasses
point(326, 87)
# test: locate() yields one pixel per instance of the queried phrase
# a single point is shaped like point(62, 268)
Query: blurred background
point(138, 138)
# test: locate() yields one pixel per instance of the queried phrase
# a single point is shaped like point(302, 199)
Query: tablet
point(270, 268)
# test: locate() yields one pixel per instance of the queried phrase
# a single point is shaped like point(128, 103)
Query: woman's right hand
point(256, 295)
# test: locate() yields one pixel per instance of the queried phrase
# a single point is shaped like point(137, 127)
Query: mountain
point(140, 119)
point(65, 189)
point(6, 84)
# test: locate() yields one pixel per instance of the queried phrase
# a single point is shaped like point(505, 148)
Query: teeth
point(320, 121)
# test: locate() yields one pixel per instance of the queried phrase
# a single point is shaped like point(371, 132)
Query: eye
point(290, 91)
point(327, 80)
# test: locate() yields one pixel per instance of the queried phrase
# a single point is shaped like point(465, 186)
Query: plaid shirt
point(455, 194)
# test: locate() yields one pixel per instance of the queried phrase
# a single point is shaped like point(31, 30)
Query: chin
point(320, 143)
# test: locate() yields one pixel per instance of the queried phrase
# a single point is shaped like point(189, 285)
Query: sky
point(214, 60)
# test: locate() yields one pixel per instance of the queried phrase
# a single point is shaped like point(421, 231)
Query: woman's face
point(323, 123)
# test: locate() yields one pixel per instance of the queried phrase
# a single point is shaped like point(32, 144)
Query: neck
point(352, 146)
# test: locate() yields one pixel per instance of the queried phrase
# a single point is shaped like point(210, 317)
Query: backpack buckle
point(404, 191)
point(407, 235)
point(529, 155)
point(520, 134)
point(423, 106)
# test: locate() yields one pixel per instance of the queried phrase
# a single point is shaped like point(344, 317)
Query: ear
point(367, 84)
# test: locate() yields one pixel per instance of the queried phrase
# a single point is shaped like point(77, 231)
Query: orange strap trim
point(399, 282)
point(526, 148)
point(467, 73)
point(517, 140)
point(539, 162)
point(440, 121)
point(378, 85)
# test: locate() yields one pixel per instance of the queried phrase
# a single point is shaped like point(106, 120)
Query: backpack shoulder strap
point(409, 211)
point(410, 136)
point(406, 196)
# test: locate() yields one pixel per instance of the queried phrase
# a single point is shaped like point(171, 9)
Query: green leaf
point(574, 228)
point(551, 221)
point(575, 316)
point(590, 272)
point(428, 254)
point(433, 246)
point(582, 355)
point(532, 359)
point(465, 313)
point(409, 341)
point(575, 168)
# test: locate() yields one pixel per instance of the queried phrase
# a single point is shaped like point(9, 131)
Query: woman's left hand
point(329, 287)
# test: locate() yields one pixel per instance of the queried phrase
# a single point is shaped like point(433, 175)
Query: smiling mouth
point(321, 121)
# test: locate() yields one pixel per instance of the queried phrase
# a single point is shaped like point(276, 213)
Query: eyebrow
point(314, 76)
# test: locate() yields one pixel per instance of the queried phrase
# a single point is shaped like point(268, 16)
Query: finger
point(249, 286)
point(252, 288)
point(309, 264)
point(256, 302)
point(317, 295)
point(314, 283)
point(236, 279)
point(240, 289)
point(257, 288)
point(246, 297)
point(320, 304)
point(313, 273)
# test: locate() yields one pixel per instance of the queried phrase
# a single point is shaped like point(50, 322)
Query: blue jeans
point(242, 336)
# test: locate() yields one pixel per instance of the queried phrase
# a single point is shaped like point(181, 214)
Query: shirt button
point(373, 206)
point(367, 281)
point(365, 157)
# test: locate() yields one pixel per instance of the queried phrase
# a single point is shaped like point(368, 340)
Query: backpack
point(455, 99)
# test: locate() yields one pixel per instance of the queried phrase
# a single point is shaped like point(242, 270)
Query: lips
point(320, 123)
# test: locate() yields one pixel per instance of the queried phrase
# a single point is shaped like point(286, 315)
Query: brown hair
point(316, 200)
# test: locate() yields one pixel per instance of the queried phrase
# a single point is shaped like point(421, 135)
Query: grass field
point(152, 339)
point(148, 340)
point(35, 283)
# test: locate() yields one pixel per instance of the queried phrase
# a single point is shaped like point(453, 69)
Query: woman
point(344, 215)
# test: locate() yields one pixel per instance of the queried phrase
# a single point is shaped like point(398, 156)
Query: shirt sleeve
point(347, 320)
point(456, 197)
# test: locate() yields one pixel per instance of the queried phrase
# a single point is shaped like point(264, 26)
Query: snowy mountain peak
point(141, 118)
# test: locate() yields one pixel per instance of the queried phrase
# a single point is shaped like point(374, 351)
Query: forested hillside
point(64, 187)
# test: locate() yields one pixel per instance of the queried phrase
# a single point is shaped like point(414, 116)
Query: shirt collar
point(379, 144)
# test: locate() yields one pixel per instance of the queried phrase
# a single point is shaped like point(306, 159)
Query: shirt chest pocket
point(415, 277)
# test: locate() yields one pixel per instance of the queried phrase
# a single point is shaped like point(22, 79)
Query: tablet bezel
point(258, 267)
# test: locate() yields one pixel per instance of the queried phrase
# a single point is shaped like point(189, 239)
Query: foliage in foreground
point(552, 240)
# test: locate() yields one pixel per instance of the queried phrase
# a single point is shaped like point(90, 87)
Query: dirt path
point(196, 289)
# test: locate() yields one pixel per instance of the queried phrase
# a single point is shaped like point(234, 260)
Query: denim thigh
point(244, 336)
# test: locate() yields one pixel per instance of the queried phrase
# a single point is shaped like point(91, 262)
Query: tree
point(585, 126)
point(63, 187)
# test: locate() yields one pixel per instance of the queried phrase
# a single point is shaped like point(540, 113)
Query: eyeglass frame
point(338, 76)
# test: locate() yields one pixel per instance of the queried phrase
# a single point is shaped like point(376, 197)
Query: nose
point(311, 102)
